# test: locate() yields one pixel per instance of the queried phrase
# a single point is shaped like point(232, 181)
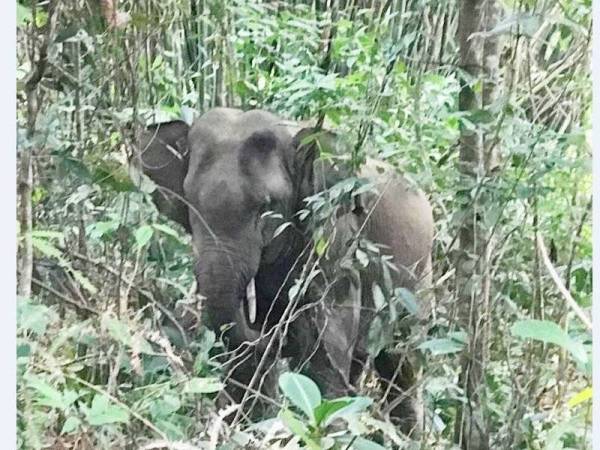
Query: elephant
point(238, 182)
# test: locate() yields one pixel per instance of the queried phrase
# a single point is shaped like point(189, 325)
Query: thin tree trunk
point(25, 169)
point(478, 158)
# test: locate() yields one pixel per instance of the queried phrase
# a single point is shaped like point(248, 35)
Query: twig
point(114, 399)
point(64, 297)
point(561, 287)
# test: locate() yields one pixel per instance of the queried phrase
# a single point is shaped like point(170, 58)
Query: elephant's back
point(402, 219)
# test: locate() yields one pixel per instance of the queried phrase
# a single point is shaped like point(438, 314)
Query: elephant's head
point(239, 167)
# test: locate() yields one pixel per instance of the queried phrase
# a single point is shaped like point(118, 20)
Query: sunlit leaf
point(301, 391)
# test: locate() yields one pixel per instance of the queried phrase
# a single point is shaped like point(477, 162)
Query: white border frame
point(8, 226)
point(8, 229)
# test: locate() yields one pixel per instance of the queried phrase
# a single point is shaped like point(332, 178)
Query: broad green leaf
point(580, 397)
point(143, 235)
point(301, 391)
point(379, 335)
point(113, 175)
point(49, 395)
point(167, 230)
point(173, 430)
point(165, 406)
point(355, 406)
point(407, 300)
point(298, 428)
point(46, 248)
point(293, 424)
point(202, 385)
point(378, 297)
point(71, 424)
point(554, 436)
point(365, 444)
point(118, 330)
point(328, 407)
point(23, 14)
point(103, 412)
point(100, 229)
point(359, 443)
point(362, 257)
point(34, 317)
point(442, 346)
point(550, 333)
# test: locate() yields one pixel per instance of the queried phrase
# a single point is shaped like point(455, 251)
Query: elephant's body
point(242, 164)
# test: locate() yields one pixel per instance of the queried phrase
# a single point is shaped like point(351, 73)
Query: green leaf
point(407, 300)
point(362, 257)
point(167, 230)
point(48, 395)
point(118, 330)
point(327, 408)
point(102, 412)
point(550, 333)
point(46, 248)
point(442, 346)
point(100, 229)
point(112, 175)
point(359, 443)
point(301, 391)
point(580, 397)
point(23, 15)
point(298, 428)
point(165, 406)
point(143, 235)
point(321, 246)
point(71, 424)
point(555, 434)
point(365, 444)
point(202, 385)
point(173, 430)
point(355, 406)
point(378, 297)
point(34, 317)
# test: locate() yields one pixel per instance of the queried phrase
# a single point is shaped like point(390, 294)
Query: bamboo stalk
point(570, 301)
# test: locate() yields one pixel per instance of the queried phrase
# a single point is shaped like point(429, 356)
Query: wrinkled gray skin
point(231, 167)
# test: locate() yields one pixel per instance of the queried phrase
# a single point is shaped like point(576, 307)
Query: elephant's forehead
point(227, 127)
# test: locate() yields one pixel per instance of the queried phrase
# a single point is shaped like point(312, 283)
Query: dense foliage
point(103, 358)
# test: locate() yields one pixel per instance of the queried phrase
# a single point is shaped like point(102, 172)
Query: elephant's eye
point(266, 205)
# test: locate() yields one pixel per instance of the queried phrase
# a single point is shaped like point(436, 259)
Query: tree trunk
point(479, 58)
point(26, 153)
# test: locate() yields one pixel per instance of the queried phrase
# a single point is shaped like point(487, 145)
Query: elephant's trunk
point(225, 285)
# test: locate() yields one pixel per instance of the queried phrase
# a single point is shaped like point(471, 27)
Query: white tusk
point(251, 298)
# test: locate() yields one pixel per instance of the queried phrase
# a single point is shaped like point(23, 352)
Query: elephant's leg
point(324, 338)
point(403, 394)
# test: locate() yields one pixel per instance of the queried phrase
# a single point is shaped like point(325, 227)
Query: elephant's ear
point(311, 172)
point(163, 155)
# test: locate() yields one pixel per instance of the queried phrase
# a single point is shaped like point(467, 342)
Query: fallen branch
point(561, 287)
